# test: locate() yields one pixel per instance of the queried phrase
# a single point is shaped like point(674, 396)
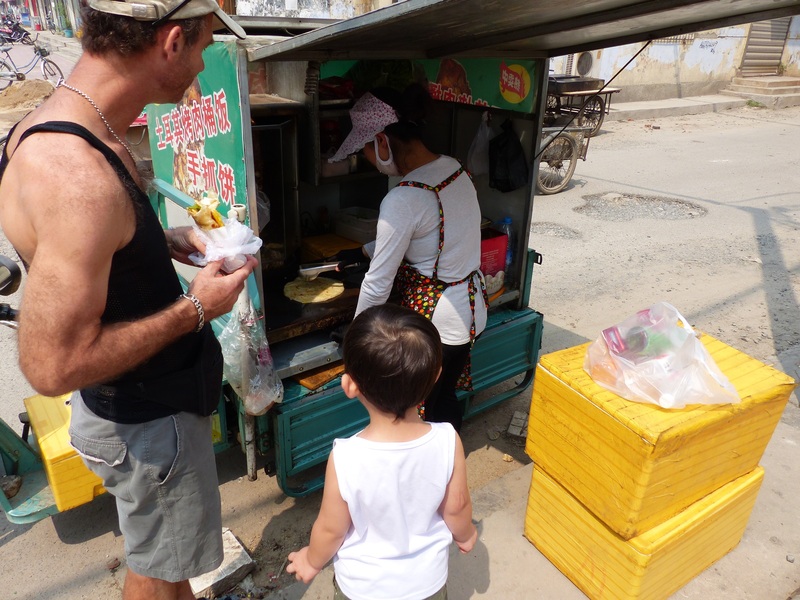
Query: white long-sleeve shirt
point(408, 228)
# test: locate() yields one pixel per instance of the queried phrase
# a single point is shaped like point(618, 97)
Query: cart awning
point(514, 28)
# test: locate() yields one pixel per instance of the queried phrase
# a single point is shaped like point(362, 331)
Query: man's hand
point(182, 242)
point(299, 565)
point(218, 291)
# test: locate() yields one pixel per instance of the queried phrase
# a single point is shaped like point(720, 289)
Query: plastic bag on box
point(655, 356)
point(248, 364)
point(231, 244)
point(478, 155)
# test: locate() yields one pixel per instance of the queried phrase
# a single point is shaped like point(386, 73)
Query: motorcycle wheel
point(26, 39)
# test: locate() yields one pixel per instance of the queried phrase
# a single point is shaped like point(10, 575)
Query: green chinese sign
point(197, 144)
point(497, 83)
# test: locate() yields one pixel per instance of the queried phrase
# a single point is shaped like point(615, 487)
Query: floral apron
point(422, 293)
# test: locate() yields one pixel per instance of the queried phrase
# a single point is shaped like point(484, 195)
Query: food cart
point(265, 151)
point(256, 127)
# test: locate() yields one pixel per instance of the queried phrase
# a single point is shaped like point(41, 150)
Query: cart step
point(34, 500)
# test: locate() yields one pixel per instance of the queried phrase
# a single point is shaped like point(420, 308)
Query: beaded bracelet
point(201, 315)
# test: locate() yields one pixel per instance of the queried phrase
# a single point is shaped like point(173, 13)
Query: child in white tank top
point(395, 493)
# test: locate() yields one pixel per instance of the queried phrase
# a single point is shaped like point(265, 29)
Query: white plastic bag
point(478, 155)
point(655, 356)
point(233, 243)
point(248, 364)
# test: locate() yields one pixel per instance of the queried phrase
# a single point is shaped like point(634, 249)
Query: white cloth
point(408, 228)
point(397, 547)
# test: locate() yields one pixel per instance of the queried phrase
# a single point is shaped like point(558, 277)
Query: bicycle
point(51, 24)
point(10, 72)
point(561, 150)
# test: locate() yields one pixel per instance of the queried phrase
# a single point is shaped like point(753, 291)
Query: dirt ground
point(700, 211)
point(19, 99)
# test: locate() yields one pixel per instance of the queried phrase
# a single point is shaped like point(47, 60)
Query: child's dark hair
point(411, 105)
point(393, 354)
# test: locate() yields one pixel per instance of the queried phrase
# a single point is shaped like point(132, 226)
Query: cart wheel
point(592, 113)
point(557, 164)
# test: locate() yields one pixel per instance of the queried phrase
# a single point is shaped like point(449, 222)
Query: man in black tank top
point(103, 311)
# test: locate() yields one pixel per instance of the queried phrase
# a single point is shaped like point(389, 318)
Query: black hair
point(104, 32)
point(393, 355)
point(411, 106)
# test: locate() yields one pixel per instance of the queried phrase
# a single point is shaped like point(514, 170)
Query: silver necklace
point(102, 116)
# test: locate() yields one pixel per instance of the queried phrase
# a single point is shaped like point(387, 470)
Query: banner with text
point(197, 144)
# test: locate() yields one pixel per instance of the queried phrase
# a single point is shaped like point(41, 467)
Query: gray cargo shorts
point(164, 478)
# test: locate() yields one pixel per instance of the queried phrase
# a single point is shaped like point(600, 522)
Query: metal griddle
point(286, 319)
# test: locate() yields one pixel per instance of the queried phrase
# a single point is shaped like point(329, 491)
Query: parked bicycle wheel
point(557, 164)
point(52, 72)
point(7, 75)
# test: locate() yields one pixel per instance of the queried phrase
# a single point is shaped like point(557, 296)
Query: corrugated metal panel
point(762, 54)
point(515, 28)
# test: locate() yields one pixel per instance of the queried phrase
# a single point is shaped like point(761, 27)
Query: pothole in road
point(613, 206)
point(555, 230)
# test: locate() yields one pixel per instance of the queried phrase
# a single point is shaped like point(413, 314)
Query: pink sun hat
point(369, 116)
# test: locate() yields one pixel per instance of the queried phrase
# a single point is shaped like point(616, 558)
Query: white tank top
point(397, 547)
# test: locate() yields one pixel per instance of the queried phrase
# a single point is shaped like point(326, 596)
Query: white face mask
point(387, 167)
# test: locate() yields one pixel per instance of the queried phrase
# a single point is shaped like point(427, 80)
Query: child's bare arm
point(328, 531)
point(457, 505)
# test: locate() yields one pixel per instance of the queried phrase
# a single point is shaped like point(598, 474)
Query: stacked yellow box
point(638, 471)
point(652, 565)
point(71, 482)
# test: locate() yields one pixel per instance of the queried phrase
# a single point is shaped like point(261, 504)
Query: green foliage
point(61, 9)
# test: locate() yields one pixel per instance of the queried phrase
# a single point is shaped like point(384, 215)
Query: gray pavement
point(672, 107)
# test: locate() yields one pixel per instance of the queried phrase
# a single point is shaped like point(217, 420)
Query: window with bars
point(675, 39)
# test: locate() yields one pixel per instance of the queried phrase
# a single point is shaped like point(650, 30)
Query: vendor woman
point(428, 240)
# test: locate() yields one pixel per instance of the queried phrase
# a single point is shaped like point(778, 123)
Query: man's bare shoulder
point(66, 165)
point(56, 182)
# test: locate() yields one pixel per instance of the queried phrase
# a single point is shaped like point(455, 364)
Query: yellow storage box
point(634, 465)
point(71, 482)
point(652, 565)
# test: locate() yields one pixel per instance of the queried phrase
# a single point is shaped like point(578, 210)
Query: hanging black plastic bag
point(508, 169)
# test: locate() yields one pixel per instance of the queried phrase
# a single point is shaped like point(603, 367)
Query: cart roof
point(514, 28)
